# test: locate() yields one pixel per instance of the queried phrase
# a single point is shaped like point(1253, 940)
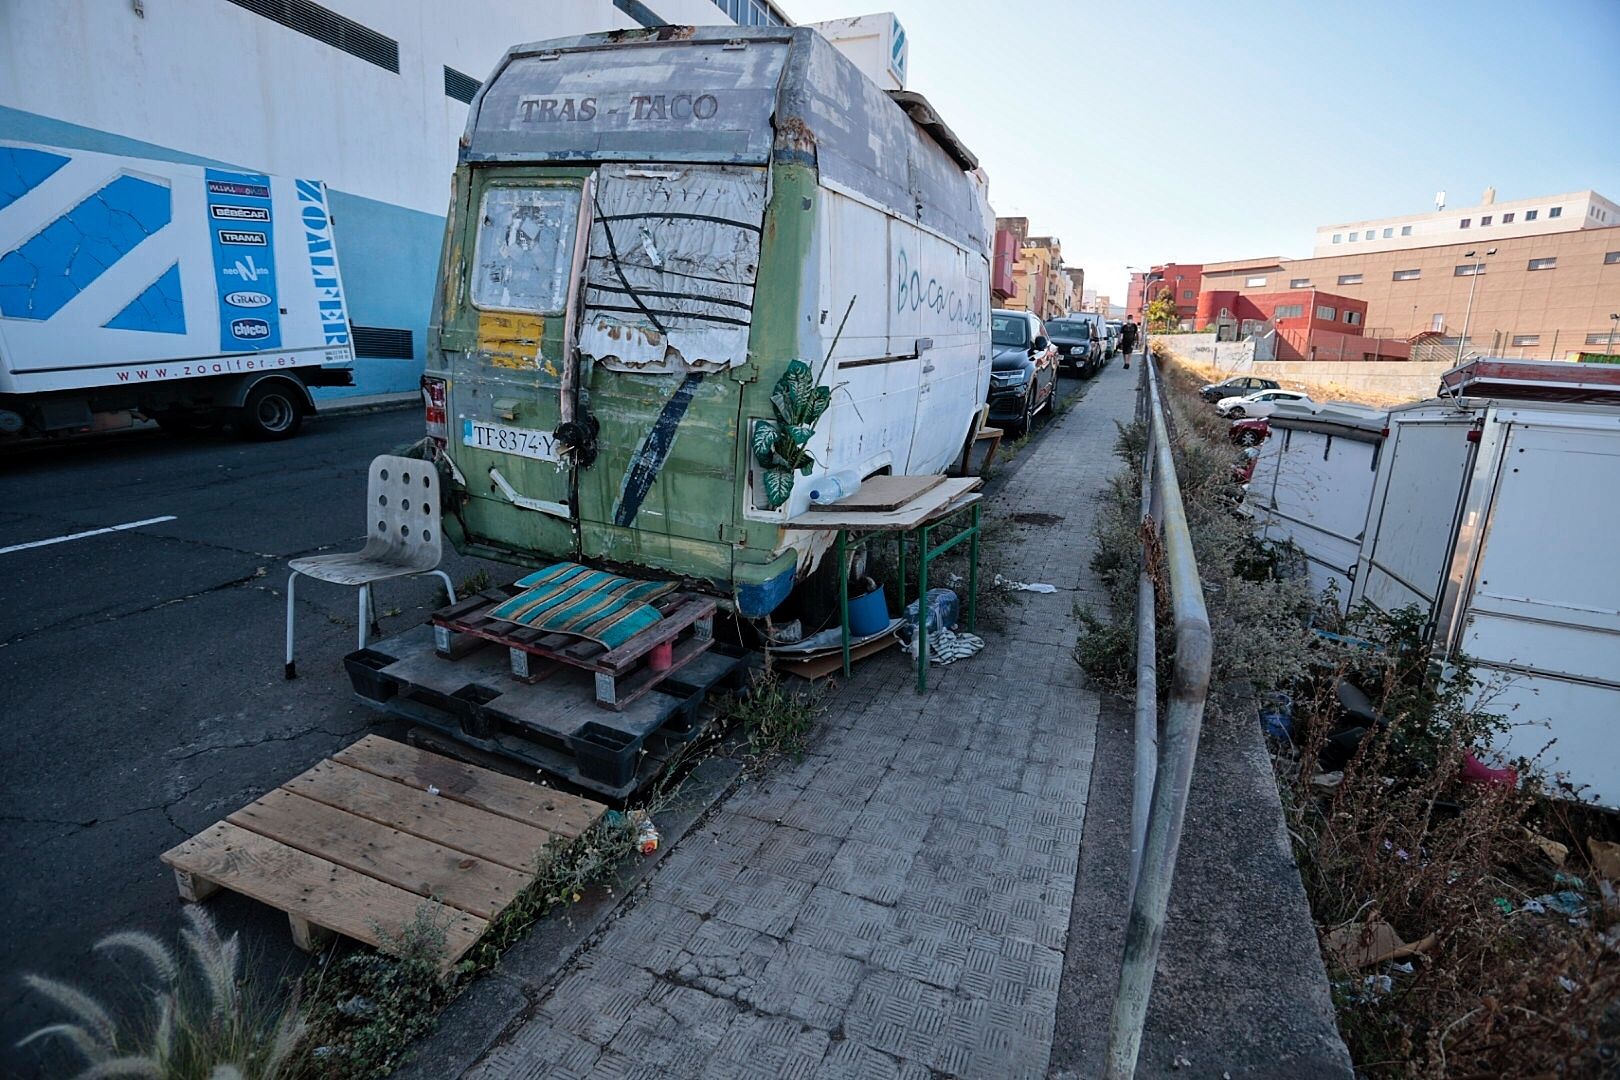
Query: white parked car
point(1260, 404)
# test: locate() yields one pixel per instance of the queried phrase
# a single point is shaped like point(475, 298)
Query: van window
point(525, 249)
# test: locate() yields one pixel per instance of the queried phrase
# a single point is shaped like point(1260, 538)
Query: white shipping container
point(1498, 519)
point(1312, 484)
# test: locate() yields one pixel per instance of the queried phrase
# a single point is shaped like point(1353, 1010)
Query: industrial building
point(1546, 297)
point(1487, 222)
point(369, 97)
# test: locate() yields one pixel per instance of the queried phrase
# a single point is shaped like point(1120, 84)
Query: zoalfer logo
point(247, 299)
point(232, 236)
point(240, 213)
point(250, 329)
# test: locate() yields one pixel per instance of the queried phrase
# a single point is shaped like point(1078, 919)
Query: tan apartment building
point(1544, 297)
point(1040, 285)
point(1077, 288)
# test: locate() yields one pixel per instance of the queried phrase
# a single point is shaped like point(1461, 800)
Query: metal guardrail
point(1164, 763)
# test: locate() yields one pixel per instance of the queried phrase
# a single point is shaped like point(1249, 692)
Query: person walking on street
point(1127, 338)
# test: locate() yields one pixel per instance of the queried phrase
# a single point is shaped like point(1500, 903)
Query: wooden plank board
point(628, 688)
point(882, 493)
point(823, 664)
point(906, 518)
point(539, 807)
point(419, 866)
point(501, 840)
point(675, 620)
point(314, 890)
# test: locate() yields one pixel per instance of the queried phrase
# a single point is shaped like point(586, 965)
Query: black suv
point(1081, 342)
point(1023, 370)
point(1239, 386)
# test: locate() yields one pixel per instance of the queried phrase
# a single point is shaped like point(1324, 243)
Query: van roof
point(728, 95)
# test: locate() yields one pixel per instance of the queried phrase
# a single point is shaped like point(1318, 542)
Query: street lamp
point(1614, 321)
point(1469, 313)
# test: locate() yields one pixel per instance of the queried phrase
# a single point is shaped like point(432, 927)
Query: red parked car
point(1250, 432)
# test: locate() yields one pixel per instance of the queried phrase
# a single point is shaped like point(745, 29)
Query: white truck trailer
point(1498, 517)
point(187, 294)
point(1493, 509)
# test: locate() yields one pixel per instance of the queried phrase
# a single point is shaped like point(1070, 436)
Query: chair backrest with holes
point(402, 497)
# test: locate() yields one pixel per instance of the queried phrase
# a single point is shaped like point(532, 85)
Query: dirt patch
point(1035, 517)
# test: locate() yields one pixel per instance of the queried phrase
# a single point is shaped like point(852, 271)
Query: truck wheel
point(272, 411)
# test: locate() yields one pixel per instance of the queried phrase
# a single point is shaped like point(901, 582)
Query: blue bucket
point(869, 614)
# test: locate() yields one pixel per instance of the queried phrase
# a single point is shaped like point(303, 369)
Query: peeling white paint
point(687, 245)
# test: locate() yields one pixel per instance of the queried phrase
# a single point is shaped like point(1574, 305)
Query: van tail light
point(433, 405)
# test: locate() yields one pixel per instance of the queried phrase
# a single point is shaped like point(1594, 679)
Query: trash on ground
point(1566, 902)
point(1476, 771)
point(432, 790)
point(1504, 905)
point(1023, 586)
point(947, 646)
point(1277, 716)
point(1556, 853)
point(1359, 945)
point(1605, 857)
point(943, 611)
point(1328, 780)
point(787, 634)
point(1568, 985)
point(647, 835)
point(1379, 985)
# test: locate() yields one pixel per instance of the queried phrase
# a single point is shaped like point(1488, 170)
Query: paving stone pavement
point(896, 902)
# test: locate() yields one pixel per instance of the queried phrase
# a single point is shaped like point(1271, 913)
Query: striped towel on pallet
point(571, 599)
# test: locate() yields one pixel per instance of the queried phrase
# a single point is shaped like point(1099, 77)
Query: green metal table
point(919, 517)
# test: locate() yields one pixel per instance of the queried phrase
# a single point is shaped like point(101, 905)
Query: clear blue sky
point(1196, 131)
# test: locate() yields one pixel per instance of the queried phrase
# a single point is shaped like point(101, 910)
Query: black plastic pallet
point(554, 725)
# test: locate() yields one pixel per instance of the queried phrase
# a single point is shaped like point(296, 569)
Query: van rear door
point(506, 351)
point(666, 316)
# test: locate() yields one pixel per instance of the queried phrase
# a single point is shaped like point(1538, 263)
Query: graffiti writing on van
point(950, 301)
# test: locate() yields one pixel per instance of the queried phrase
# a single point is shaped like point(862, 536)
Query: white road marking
point(82, 535)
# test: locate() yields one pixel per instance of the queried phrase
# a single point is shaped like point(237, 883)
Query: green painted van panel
point(691, 521)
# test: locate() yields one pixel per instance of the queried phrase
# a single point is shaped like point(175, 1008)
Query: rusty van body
point(668, 251)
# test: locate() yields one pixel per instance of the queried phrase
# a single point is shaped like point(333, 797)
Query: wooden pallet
point(622, 674)
point(475, 700)
point(378, 834)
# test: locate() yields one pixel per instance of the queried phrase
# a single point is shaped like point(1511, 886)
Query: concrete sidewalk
point(897, 902)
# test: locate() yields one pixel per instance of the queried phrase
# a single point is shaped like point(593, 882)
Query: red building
point(1181, 280)
point(1309, 324)
point(1002, 285)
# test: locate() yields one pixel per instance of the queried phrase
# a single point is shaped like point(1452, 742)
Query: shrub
point(203, 1023)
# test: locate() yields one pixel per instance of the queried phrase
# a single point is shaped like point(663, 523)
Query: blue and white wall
point(210, 82)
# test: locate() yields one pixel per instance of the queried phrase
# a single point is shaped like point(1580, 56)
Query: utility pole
point(1473, 280)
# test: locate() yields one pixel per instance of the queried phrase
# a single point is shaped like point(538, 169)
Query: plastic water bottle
point(834, 486)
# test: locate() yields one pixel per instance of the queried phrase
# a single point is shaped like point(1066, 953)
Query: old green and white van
point(685, 273)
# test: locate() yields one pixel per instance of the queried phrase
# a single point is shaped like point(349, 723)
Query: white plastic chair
point(402, 539)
